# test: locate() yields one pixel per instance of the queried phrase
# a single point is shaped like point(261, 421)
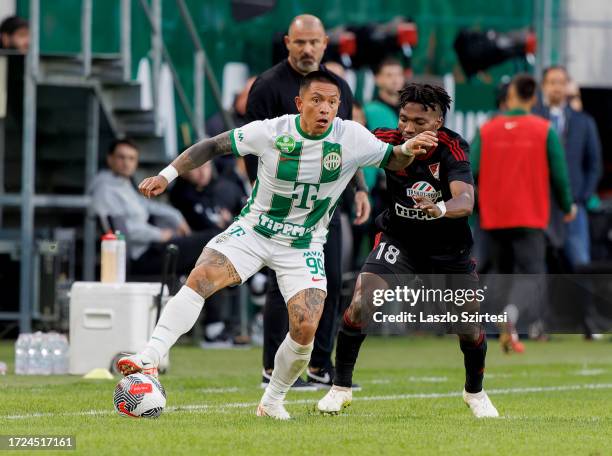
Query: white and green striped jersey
point(300, 177)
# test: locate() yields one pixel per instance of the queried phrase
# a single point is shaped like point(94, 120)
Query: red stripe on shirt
point(450, 144)
point(457, 147)
point(453, 145)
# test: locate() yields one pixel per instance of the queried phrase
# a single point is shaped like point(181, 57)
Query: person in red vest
point(516, 159)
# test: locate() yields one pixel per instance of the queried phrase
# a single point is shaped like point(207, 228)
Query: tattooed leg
point(293, 355)
point(305, 310)
point(212, 272)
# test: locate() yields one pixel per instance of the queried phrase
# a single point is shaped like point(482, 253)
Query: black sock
point(474, 354)
point(347, 350)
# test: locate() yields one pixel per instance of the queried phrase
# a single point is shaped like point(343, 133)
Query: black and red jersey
point(430, 176)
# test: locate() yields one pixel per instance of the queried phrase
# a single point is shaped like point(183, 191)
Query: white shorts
point(296, 269)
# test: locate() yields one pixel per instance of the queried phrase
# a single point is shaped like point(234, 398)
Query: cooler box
point(107, 319)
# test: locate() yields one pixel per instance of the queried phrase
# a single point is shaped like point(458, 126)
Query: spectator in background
point(205, 200)
point(514, 204)
point(382, 111)
point(115, 195)
point(15, 34)
point(580, 139)
point(573, 96)
point(515, 158)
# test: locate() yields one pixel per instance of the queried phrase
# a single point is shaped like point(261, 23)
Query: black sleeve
point(260, 103)
point(457, 161)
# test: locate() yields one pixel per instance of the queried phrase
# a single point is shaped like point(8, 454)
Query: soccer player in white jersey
point(305, 163)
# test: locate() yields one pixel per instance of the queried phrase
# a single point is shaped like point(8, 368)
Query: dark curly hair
point(430, 96)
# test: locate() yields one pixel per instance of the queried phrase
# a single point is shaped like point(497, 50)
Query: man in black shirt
point(424, 231)
point(206, 200)
point(273, 95)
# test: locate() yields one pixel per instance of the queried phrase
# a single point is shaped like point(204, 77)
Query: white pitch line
point(392, 397)
point(232, 389)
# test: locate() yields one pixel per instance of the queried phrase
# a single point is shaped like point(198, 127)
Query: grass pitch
point(554, 399)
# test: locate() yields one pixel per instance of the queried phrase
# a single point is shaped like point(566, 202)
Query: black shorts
point(400, 266)
point(393, 259)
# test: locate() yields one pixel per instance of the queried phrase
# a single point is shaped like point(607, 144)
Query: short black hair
point(121, 142)
point(548, 69)
point(525, 86)
point(387, 61)
point(318, 76)
point(430, 96)
point(13, 23)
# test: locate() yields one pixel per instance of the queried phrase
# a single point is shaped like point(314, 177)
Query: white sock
point(179, 315)
point(290, 361)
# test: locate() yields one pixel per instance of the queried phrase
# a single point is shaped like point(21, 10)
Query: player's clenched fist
point(153, 186)
point(420, 144)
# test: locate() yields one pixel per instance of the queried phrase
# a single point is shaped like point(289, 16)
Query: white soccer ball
point(139, 396)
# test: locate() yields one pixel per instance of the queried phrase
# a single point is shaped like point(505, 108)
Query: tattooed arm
point(191, 158)
point(203, 151)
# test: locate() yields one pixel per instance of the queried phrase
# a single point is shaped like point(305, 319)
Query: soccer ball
point(139, 396)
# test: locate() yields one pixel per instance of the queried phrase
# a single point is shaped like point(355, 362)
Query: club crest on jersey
point(424, 189)
point(434, 168)
point(332, 161)
point(285, 143)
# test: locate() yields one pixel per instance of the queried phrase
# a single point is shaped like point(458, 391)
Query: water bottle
point(46, 355)
point(54, 351)
point(66, 354)
point(60, 355)
point(21, 353)
point(34, 354)
point(108, 267)
point(121, 257)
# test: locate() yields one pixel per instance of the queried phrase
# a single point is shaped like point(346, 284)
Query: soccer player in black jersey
point(424, 230)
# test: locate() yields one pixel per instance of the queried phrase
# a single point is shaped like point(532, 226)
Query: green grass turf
point(223, 381)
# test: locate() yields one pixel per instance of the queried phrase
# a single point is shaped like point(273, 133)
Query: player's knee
point(204, 280)
point(472, 335)
point(304, 333)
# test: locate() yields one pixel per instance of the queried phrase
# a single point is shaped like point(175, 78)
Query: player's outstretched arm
point(403, 155)
point(191, 158)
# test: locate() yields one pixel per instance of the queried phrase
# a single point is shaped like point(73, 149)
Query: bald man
point(272, 95)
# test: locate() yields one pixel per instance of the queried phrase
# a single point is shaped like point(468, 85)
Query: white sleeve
point(369, 150)
point(251, 139)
